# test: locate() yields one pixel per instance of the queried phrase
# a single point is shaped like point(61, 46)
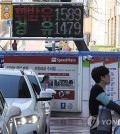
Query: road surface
point(68, 125)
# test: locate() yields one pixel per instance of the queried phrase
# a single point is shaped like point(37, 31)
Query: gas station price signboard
point(48, 21)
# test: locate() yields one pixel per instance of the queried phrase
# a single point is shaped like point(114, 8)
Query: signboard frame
point(35, 20)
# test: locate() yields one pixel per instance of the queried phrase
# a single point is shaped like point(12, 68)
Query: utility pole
point(87, 5)
point(53, 45)
point(10, 32)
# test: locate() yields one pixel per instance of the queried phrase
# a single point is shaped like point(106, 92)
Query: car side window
point(34, 84)
point(23, 89)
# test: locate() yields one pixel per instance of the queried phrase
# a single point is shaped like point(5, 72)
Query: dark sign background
point(48, 21)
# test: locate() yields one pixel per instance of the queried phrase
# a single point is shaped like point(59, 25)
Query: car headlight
point(47, 110)
point(27, 120)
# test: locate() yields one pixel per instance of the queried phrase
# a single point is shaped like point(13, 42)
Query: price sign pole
point(10, 29)
point(53, 45)
point(9, 23)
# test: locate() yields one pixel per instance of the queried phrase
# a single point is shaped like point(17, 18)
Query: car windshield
point(34, 83)
point(14, 86)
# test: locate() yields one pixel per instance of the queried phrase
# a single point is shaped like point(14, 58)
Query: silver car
point(18, 91)
point(36, 83)
point(7, 114)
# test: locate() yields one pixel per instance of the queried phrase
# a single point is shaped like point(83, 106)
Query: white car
point(48, 45)
point(50, 90)
point(7, 114)
point(47, 103)
point(18, 91)
point(35, 82)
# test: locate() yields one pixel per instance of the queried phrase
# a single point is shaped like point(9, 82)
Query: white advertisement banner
point(112, 88)
point(62, 72)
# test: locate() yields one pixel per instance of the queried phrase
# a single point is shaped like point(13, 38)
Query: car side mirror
point(44, 96)
point(51, 91)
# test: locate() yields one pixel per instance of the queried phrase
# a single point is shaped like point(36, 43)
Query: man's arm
point(104, 99)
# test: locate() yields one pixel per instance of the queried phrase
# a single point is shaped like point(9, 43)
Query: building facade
point(105, 19)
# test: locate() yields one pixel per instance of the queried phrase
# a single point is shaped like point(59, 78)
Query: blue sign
point(63, 105)
point(9, 22)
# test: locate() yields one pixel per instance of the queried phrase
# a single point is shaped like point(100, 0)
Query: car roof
point(8, 71)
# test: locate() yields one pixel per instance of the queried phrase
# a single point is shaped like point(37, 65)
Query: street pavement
point(68, 125)
point(71, 125)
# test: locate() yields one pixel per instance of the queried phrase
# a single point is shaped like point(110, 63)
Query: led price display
point(48, 21)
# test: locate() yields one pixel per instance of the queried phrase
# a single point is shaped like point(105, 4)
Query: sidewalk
point(68, 126)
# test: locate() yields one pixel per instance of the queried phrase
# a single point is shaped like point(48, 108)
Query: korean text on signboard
point(48, 21)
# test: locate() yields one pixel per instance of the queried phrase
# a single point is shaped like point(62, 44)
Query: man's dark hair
point(98, 72)
point(45, 78)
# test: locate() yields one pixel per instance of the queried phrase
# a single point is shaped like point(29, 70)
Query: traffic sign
point(6, 11)
point(9, 22)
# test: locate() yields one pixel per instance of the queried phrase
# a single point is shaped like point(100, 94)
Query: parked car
point(50, 90)
point(18, 91)
point(48, 45)
point(47, 104)
point(7, 114)
point(35, 82)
